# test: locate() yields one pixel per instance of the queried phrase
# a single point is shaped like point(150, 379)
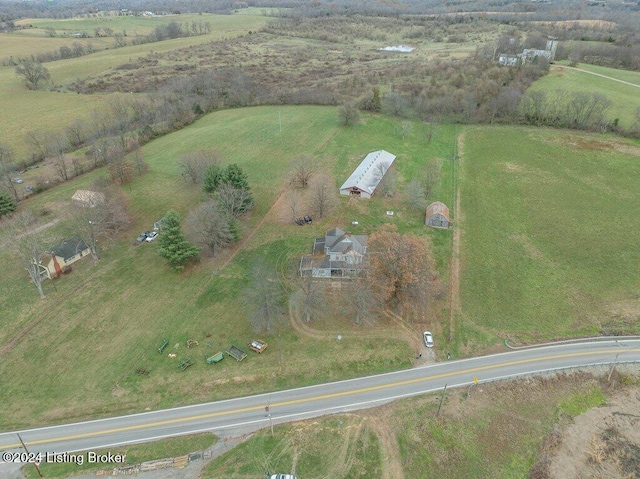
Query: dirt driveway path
point(561, 67)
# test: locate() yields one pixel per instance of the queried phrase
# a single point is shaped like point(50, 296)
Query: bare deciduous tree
point(387, 179)
point(311, 296)
point(349, 115)
point(364, 304)
point(322, 196)
point(431, 177)
point(102, 219)
point(293, 202)
point(263, 298)
point(406, 128)
point(193, 165)
point(414, 194)
point(7, 170)
point(29, 247)
point(303, 170)
point(234, 201)
point(209, 227)
point(33, 73)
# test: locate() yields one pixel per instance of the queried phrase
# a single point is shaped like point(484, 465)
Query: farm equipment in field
point(258, 345)
point(164, 344)
point(185, 363)
point(236, 353)
point(216, 358)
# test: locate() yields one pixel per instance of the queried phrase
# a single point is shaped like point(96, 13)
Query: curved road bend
point(248, 413)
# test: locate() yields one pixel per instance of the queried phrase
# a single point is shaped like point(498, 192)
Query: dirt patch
point(603, 442)
point(389, 449)
point(513, 167)
point(528, 246)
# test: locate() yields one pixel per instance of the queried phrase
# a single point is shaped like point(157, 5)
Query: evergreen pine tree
point(234, 176)
point(7, 204)
point(173, 245)
point(212, 179)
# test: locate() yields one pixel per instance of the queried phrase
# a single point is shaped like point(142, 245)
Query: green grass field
point(103, 322)
point(52, 111)
point(549, 233)
point(625, 98)
point(129, 25)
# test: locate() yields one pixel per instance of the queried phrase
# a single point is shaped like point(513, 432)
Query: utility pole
point(444, 391)
point(613, 367)
point(24, 446)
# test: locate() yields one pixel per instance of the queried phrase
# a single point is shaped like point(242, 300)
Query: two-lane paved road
point(248, 413)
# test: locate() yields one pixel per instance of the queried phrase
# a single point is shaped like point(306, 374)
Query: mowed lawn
point(86, 345)
point(550, 233)
point(625, 98)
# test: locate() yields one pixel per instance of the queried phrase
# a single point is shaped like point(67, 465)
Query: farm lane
point(560, 67)
point(247, 414)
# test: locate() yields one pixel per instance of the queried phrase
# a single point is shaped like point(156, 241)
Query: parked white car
point(428, 339)
point(151, 236)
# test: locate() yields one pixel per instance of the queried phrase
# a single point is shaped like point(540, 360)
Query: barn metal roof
point(368, 174)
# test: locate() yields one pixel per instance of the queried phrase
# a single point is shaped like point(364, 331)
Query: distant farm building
point(88, 198)
point(336, 255)
point(529, 55)
point(60, 257)
point(437, 215)
point(365, 178)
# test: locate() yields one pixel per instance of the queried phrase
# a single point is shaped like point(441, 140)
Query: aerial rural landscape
point(211, 202)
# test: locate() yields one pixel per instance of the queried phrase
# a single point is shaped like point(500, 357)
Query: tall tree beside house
point(174, 247)
point(29, 247)
point(401, 267)
point(312, 297)
point(103, 218)
point(7, 204)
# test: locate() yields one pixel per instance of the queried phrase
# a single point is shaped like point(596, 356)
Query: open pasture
point(550, 233)
point(127, 25)
point(625, 98)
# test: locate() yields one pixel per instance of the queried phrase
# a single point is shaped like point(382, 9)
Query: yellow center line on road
point(315, 398)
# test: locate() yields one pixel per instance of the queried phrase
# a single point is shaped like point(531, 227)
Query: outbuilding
point(366, 177)
point(437, 215)
point(87, 198)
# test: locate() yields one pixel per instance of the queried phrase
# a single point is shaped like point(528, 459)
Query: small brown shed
point(437, 215)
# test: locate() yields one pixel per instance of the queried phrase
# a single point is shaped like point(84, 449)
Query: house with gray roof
point(336, 255)
point(365, 178)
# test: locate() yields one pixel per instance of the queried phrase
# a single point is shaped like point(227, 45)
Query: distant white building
point(529, 54)
point(365, 178)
